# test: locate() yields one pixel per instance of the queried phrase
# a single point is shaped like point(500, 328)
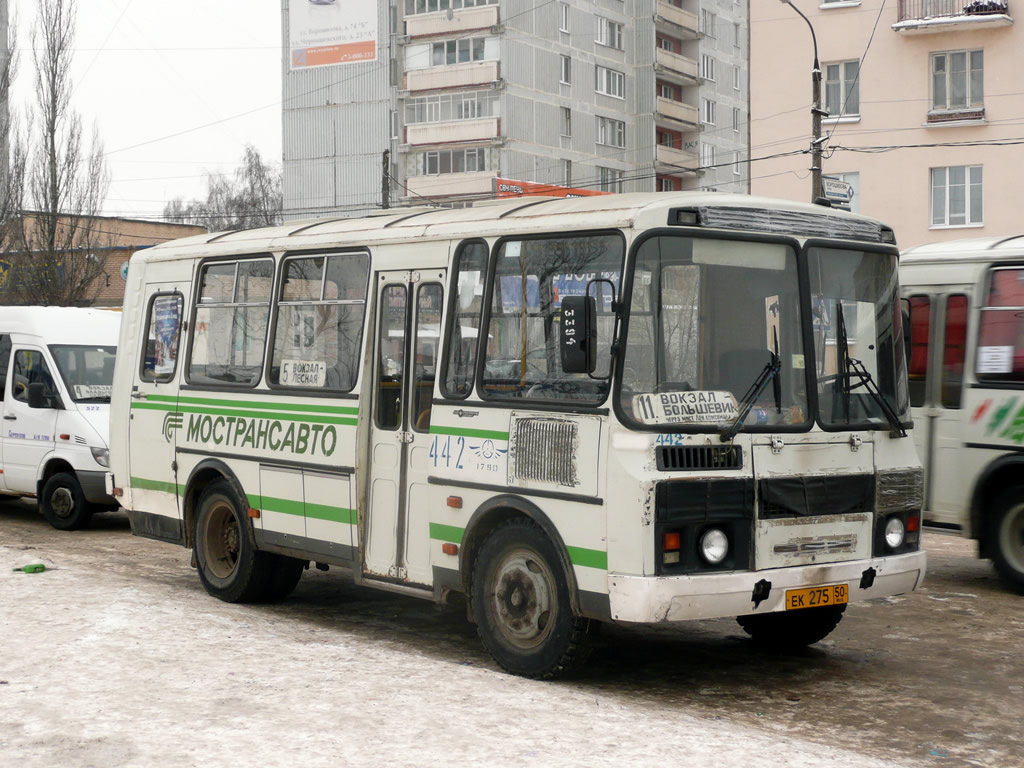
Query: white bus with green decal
point(630, 408)
point(966, 304)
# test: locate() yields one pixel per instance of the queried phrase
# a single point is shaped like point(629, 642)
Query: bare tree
point(253, 199)
point(12, 154)
point(56, 247)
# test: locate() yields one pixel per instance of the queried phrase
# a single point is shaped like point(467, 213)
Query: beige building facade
point(927, 127)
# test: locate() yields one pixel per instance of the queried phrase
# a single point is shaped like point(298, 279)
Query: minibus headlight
point(895, 532)
point(102, 456)
point(714, 546)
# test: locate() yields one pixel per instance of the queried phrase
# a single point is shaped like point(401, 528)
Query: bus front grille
point(544, 450)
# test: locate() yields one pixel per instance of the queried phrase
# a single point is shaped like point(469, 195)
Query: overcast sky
point(175, 88)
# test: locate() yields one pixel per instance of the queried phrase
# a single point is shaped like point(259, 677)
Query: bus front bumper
point(650, 599)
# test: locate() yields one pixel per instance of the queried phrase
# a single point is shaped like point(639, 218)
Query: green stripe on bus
point(270, 406)
point(589, 558)
point(450, 533)
point(297, 508)
point(484, 434)
point(333, 514)
point(312, 418)
point(284, 506)
point(163, 486)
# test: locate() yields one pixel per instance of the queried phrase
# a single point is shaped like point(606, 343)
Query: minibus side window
point(464, 326)
point(163, 328)
point(5, 361)
point(954, 350)
point(31, 368)
point(230, 329)
point(1001, 337)
point(920, 328)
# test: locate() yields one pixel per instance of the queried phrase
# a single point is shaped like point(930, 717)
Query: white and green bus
point(630, 408)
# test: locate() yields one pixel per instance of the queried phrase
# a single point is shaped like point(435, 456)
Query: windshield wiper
point(770, 372)
point(97, 399)
point(853, 369)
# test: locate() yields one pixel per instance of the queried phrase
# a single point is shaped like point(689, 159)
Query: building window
point(609, 33)
point(563, 17)
point(611, 132)
point(707, 67)
point(611, 179)
point(446, 52)
point(842, 91)
point(413, 7)
point(736, 34)
point(667, 44)
point(566, 70)
point(566, 121)
point(737, 161)
point(707, 156)
point(666, 139)
point(958, 79)
point(667, 91)
point(957, 196)
point(610, 82)
point(567, 172)
point(666, 185)
point(440, 108)
point(708, 21)
point(736, 75)
point(736, 119)
point(450, 161)
point(708, 111)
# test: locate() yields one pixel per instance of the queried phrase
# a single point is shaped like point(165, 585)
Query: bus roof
point(514, 215)
point(63, 325)
point(967, 249)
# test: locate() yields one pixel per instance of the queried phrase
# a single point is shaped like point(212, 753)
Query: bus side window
point(160, 355)
point(5, 362)
point(464, 326)
point(1001, 337)
point(920, 328)
point(954, 350)
point(428, 324)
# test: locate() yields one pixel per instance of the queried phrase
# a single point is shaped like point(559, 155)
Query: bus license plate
point(835, 594)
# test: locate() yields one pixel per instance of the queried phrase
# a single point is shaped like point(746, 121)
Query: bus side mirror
point(578, 340)
point(37, 395)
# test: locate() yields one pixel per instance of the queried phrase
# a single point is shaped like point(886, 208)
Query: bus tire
point(520, 599)
point(230, 568)
point(64, 505)
point(1005, 537)
point(790, 630)
point(285, 573)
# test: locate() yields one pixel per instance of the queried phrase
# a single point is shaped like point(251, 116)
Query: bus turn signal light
point(671, 541)
point(450, 549)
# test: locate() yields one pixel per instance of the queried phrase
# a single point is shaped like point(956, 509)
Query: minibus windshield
point(714, 325)
point(87, 371)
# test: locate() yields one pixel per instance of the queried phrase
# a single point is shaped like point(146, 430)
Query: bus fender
point(495, 511)
point(994, 479)
point(205, 472)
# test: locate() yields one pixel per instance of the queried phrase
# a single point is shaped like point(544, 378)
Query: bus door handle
point(139, 395)
point(465, 414)
point(10, 417)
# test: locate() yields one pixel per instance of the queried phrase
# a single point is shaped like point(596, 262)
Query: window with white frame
point(707, 67)
point(438, 108)
point(957, 196)
point(611, 179)
point(842, 88)
point(611, 132)
point(737, 163)
point(958, 80)
point(609, 33)
point(563, 17)
point(736, 119)
point(736, 34)
point(667, 44)
point(610, 82)
point(445, 52)
point(708, 111)
point(566, 121)
point(736, 77)
point(708, 21)
point(566, 76)
point(667, 91)
point(666, 185)
point(707, 155)
point(413, 7)
point(567, 172)
point(451, 161)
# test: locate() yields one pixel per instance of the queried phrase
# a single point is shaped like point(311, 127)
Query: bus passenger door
point(408, 326)
point(946, 492)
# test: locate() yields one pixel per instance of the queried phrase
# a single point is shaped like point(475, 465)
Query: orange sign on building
point(510, 188)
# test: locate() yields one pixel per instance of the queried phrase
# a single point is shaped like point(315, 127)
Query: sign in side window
point(30, 368)
point(1001, 338)
point(231, 314)
point(318, 327)
point(954, 350)
point(464, 328)
point(920, 328)
point(163, 329)
point(429, 300)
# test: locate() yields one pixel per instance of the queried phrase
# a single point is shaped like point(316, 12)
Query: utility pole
point(385, 179)
point(816, 111)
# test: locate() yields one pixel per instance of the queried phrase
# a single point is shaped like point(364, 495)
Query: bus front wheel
point(63, 502)
point(789, 630)
point(521, 602)
point(1006, 537)
point(230, 568)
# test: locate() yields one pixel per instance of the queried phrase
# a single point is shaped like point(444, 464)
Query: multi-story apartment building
point(923, 109)
point(604, 95)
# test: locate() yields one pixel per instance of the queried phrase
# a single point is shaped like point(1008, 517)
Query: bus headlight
point(895, 532)
point(102, 456)
point(714, 546)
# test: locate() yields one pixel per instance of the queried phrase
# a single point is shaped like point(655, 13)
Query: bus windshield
point(858, 338)
point(88, 371)
point(714, 325)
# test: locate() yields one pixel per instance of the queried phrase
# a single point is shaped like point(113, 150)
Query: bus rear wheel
point(520, 599)
point(230, 568)
point(1006, 537)
point(790, 630)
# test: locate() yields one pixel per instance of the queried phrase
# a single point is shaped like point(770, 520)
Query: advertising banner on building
point(511, 188)
point(326, 32)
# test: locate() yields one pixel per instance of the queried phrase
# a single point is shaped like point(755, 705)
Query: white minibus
point(56, 369)
point(632, 408)
point(966, 303)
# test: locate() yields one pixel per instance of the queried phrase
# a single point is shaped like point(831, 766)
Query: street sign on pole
point(836, 190)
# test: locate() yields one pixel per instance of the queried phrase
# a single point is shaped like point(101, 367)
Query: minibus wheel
point(789, 630)
point(230, 568)
point(1005, 537)
point(520, 598)
point(64, 505)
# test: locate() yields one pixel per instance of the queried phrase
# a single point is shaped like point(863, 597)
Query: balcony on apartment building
point(453, 21)
point(453, 131)
point(934, 16)
point(671, 111)
point(683, 22)
point(452, 184)
point(453, 76)
point(677, 162)
point(675, 68)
